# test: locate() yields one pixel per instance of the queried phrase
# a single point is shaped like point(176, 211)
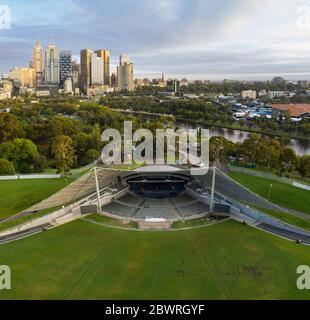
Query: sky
point(196, 39)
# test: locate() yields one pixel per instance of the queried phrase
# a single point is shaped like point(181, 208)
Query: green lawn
point(82, 260)
point(193, 223)
point(112, 222)
point(282, 194)
point(18, 195)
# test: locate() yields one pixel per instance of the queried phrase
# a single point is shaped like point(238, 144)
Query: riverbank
point(222, 125)
point(246, 129)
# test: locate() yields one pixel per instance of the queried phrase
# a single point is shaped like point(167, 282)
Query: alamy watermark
point(5, 17)
point(5, 278)
point(303, 281)
point(171, 147)
point(303, 20)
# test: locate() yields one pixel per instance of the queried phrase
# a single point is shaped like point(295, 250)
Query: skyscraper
point(65, 64)
point(51, 69)
point(125, 74)
point(85, 77)
point(113, 80)
point(38, 63)
point(124, 58)
point(105, 56)
point(22, 77)
point(97, 70)
point(76, 74)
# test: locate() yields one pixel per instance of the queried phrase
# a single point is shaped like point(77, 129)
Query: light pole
point(97, 190)
point(212, 190)
point(270, 188)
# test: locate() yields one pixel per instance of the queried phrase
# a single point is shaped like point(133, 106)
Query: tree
point(90, 156)
point(6, 167)
point(60, 125)
point(303, 166)
point(82, 144)
point(63, 152)
point(250, 148)
point(21, 152)
point(220, 148)
point(288, 160)
point(39, 163)
point(95, 136)
point(10, 127)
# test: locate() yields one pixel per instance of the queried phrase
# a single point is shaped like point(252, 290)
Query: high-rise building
point(65, 64)
point(124, 58)
point(51, 69)
point(105, 56)
point(27, 77)
point(113, 80)
point(97, 70)
point(68, 88)
point(125, 74)
point(85, 77)
point(23, 77)
point(38, 63)
point(76, 74)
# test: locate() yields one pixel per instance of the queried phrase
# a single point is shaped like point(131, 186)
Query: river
point(301, 147)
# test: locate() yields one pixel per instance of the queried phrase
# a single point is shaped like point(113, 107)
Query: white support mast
point(213, 190)
point(97, 190)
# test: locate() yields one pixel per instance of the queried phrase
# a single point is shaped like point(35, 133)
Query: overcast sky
point(197, 39)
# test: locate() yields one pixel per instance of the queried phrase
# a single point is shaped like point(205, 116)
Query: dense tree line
point(57, 134)
point(65, 134)
point(273, 155)
point(207, 112)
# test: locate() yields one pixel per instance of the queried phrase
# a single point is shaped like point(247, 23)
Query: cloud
point(194, 38)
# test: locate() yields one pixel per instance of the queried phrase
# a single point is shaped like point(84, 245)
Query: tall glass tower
point(38, 63)
point(51, 69)
point(65, 64)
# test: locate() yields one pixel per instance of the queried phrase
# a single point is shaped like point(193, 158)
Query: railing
point(261, 217)
point(31, 176)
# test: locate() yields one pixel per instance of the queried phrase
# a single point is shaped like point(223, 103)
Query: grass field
point(82, 260)
point(18, 195)
point(282, 194)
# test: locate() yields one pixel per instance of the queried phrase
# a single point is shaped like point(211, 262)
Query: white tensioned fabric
point(81, 188)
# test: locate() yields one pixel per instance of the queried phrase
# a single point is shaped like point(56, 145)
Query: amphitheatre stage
point(154, 197)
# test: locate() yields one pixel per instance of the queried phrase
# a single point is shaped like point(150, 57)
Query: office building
point(85, 76)
point(114, 80)
point(76, 74)
point(105, 56)
point(65, 65)
point(22, 77)
point(51, 67)
point(97, 70)
point(125, 74)
point(38, 63)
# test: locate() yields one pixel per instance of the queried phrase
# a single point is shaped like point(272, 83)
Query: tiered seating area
point(193, 209)
point(119, 209)
point(138, 207)
point(183, 200)
point(109, 190)
point(163, 212)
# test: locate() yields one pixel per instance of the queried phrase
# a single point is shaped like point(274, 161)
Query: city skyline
point(194, 39)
